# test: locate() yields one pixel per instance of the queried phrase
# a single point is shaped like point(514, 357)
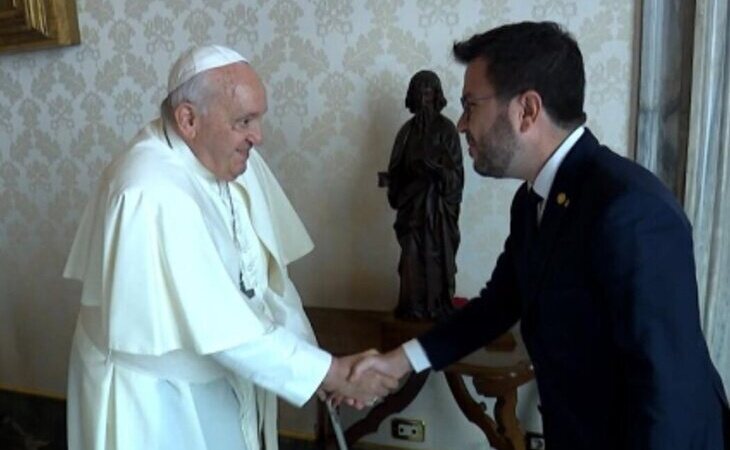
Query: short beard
point(495, 151)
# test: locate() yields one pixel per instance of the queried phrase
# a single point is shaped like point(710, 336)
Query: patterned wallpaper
point(336, 73)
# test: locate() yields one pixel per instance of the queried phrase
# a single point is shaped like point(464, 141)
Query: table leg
point(500, 434)
point(507, 421)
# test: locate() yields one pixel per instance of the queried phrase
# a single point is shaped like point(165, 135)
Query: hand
point(359, 392)
point(394, 364)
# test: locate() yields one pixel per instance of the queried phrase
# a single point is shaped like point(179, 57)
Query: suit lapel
point(563, 197)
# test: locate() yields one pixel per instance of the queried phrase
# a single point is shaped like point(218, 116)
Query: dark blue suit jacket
point(606, 293)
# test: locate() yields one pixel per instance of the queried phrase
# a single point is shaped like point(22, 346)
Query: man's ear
point(186, 118)
point(530, 107)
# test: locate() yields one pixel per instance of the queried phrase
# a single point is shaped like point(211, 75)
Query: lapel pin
point(563, 200)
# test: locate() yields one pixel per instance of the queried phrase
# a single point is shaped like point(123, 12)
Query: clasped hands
point(362, 379)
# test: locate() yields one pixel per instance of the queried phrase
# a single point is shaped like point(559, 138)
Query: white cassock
point(168, 352)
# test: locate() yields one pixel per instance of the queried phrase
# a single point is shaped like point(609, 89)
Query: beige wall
point(336, 73)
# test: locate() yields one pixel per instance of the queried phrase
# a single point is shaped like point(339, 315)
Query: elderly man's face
point(232, 124)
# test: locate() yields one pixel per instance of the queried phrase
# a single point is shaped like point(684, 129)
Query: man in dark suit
point(598, 266)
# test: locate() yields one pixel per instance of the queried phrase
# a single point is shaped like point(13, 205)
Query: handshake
point(361, 380)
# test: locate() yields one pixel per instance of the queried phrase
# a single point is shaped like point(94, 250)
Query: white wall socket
point(407, 429)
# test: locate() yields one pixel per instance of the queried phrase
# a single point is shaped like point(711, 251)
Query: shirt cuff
point(416, 355)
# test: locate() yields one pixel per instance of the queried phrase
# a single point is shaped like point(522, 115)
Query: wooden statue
point(425, 179)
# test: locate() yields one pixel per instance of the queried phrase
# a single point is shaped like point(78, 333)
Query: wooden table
point(497, 371)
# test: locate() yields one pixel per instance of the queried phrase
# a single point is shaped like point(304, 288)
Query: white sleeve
point(280, 362)
point(416, 355)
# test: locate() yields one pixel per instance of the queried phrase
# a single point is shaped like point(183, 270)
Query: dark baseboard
point(30, 422)
point(36, 422)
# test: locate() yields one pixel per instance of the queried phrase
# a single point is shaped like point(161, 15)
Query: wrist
point(401, 363)
point(335, 375)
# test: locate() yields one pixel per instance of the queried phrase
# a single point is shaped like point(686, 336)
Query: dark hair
point(532, 55)
point(419, 81)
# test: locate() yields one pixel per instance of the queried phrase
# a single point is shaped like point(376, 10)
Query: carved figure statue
point(425, 179)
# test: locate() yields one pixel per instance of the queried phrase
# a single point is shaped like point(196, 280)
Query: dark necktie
point(533, 199)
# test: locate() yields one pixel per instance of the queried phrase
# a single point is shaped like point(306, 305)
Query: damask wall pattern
point(336, 73)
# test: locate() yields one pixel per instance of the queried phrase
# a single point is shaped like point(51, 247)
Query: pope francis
point(189, 324)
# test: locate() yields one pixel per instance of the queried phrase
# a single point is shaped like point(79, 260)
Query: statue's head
point(425, 90)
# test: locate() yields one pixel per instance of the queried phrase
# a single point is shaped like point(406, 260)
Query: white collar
point(544, 180)
point(178, 145)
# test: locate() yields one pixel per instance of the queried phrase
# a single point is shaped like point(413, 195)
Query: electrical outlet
point(408, 430)
point(534, 441)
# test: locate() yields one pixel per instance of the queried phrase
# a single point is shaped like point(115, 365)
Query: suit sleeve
point(483, 319)
point(645, 269)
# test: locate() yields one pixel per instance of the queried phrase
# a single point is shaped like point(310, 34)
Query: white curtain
point(707, 189)
point(665, 77)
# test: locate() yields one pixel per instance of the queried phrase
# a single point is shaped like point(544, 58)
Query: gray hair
point(198, 90)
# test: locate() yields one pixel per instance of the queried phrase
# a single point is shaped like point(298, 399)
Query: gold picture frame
point(35, 24)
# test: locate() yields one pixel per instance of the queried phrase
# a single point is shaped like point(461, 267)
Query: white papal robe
point(168, 353)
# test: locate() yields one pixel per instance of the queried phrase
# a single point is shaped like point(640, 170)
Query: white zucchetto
point(199, 59)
